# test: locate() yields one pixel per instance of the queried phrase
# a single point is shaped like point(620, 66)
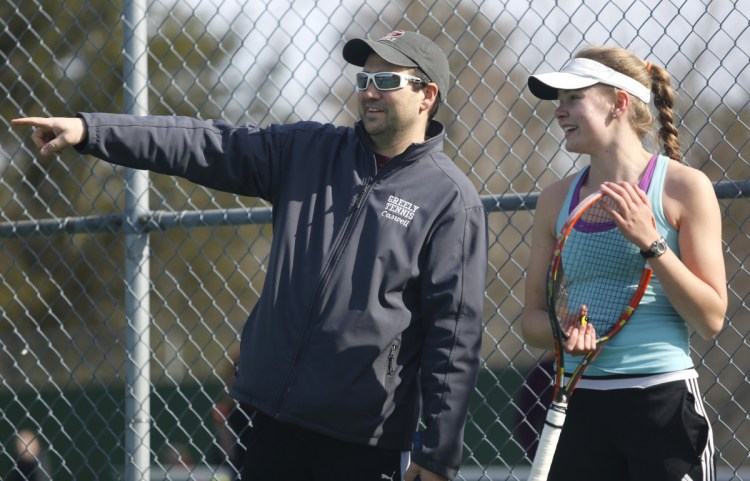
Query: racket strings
point(599, 269)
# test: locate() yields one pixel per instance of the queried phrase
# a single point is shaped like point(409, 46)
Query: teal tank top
point(655, 339)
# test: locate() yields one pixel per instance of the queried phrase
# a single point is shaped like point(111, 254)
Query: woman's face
point(585, 115)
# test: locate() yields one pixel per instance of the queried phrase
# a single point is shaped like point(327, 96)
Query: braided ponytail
point(664, 101)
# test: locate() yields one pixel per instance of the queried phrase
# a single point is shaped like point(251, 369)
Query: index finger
point(32, 121)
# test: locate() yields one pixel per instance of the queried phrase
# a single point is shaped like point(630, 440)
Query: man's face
point(391, 114)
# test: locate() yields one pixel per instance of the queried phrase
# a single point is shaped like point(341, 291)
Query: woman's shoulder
point(551, 201)
point(687, 192)
point(684, 181)
point(556, 192)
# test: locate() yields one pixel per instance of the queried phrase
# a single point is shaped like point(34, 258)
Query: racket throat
point(557, 408)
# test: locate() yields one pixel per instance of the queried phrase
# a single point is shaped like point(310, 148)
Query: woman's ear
point(622, 102)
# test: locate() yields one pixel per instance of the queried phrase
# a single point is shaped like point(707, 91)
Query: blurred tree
point(61, 58)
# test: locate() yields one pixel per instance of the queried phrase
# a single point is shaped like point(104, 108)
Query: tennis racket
point(595, 276)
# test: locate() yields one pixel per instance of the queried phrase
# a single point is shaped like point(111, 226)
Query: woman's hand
point(631, 211)
point(581, 334)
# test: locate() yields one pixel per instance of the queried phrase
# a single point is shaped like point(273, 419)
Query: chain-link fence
point(71, 294)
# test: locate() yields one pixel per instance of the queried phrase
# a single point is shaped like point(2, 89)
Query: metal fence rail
point(122, 294)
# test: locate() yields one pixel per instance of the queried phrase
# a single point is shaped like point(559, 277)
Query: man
point(29, 452)
point(372, 304)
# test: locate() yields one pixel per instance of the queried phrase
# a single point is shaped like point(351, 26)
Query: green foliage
point(61, 58)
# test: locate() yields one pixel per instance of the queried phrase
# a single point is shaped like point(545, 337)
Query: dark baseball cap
point(405, 49)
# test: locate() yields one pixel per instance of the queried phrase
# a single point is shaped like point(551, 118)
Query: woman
point(645, 373)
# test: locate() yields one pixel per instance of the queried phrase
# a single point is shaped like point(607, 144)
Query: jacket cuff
point(424, 460)
point(84, 147)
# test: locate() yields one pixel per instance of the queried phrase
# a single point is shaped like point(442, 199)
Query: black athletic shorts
point(658, 433)
point(286, 452)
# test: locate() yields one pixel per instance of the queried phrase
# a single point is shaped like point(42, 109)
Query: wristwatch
point(658, 248)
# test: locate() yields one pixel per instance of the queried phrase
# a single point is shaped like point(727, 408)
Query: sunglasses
point(386, 80)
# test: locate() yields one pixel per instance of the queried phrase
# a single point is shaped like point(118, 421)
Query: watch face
point(660, 247)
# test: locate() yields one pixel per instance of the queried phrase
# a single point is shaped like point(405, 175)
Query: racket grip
point(545, 451)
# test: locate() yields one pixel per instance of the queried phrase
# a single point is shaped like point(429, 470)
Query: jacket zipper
point(392, 357)
point(333, 258)
point(338, 246)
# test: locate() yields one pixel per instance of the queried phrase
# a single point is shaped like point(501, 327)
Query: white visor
point(579, 73)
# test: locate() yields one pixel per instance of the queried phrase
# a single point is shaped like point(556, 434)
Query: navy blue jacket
point(372, 304)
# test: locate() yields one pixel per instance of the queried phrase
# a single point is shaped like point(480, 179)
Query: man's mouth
point(373, 110)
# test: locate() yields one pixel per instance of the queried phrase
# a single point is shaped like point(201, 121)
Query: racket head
point(595, 266)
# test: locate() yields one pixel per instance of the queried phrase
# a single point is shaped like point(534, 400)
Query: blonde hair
point(657, 80)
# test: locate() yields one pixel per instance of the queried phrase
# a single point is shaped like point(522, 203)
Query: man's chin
point(373, 129)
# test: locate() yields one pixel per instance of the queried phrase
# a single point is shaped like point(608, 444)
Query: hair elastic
point(648, 66)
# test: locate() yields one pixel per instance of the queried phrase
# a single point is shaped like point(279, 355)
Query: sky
point(691, 38)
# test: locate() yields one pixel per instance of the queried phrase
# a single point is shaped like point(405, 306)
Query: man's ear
point(430, 96)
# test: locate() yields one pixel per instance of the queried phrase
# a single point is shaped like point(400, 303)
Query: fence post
point(137, 306)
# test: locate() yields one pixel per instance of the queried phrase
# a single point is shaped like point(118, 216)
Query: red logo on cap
point(393, 35)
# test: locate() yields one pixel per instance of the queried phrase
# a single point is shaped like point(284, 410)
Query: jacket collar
point(433, 143)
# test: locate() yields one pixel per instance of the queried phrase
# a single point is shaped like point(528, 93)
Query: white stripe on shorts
point(707, 456)
point(405, 461)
